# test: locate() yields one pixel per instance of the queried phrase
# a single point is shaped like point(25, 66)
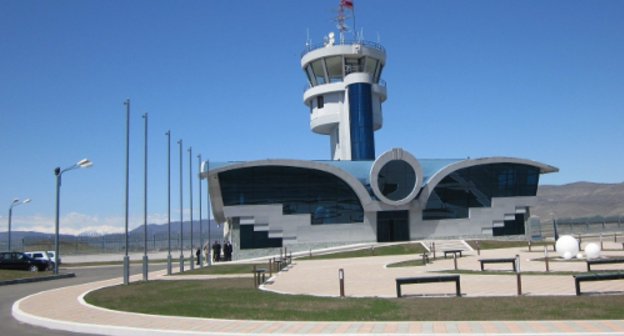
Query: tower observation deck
point(345, 94)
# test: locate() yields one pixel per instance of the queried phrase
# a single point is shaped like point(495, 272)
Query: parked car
point(20, 261)
point(41, 255)
point(53, 258)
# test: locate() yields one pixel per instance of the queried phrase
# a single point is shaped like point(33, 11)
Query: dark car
point(20, 261)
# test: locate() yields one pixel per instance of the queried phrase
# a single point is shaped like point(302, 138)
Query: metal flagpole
point(145, 260)
point(190, 150)
point(126, 260)
point(201, 233)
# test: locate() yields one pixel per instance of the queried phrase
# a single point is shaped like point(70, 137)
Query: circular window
point(396, 180)
point(396, 177)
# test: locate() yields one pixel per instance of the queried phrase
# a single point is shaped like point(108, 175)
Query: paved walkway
point(65, 309)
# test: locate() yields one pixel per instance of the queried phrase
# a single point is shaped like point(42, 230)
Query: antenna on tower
point(342, 27)
point(308, 40)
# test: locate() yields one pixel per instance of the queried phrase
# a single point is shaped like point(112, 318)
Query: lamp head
point(84, 163)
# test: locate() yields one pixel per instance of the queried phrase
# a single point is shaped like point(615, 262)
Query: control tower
point(345, 94)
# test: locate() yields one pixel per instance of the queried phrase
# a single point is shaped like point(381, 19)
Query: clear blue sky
point(542, 80)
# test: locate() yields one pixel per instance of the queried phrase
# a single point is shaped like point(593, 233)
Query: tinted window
point(328, 199)
point(474, 187)
point(396, 180)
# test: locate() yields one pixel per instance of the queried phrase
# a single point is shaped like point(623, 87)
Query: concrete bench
point(455, 252)
point(595, 277)
point(498, 261)
point(603, 261)
point(428, 279)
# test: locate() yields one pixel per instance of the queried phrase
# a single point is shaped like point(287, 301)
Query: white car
point(41, 255)
point(52, 255)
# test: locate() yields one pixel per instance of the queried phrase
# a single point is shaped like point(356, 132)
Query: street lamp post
point(84, 163)
point(181, 214)
point(168, 134)
point(201, 233)
point(190, 150)
point(145, 258)
point(15, 203)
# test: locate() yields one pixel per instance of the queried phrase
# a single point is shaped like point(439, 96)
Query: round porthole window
point(396, 177)
point(396, 180)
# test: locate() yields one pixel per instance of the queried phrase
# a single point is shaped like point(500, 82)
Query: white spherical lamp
point(567, 247)
point(592, 251)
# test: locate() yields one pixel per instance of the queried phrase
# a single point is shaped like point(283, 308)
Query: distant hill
point(580, 199)
point(158, 230)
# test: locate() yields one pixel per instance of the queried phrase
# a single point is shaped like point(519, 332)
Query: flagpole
point(354, 28)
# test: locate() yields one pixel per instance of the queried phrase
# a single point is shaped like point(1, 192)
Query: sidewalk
point(65, 309)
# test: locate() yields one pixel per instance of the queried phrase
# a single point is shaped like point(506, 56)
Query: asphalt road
point(11, 293)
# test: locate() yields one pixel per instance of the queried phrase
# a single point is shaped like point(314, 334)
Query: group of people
point(216, 251)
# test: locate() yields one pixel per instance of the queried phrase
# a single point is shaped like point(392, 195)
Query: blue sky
point(541, 80)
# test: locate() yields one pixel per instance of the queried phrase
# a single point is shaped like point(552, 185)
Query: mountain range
point(580, 199)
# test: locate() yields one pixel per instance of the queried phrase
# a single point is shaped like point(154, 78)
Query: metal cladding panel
point(361, 122)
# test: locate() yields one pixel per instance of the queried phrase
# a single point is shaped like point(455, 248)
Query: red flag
point(346, 3)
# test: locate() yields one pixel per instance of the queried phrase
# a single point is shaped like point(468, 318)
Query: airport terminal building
point(357, 195)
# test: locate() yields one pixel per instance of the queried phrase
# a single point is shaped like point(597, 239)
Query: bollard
point(310, 253)
point(478, 248)
point(519, 281)
point(434, 256)
point(270, 267)
point(546, 258)
point(455, 260)
point(341, 281)
point(424, 257)
point(601, 246)
point(529, 246)
point(255, 274)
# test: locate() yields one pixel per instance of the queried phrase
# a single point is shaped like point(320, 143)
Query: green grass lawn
point(15, 274)
point(225, 269)
point(400, 249)
point(238, 299)
point(497, 244)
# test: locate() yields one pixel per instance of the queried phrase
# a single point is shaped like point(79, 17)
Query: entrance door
point(393, 226)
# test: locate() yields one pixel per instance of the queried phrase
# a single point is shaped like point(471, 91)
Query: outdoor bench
point(603, 261)
point(578, 278)
point(455, 252)
point(428, 279)
point(499, 260)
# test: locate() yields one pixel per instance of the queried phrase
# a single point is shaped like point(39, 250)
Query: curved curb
point(37, 279)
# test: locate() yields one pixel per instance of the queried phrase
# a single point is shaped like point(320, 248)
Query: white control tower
point(345, 95)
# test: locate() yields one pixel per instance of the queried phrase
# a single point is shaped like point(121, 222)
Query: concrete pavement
point(65, 309)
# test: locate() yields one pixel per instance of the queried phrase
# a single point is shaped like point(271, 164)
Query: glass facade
point(361, 122)
point(333, 69)
point(474, 187)
point(327, 198)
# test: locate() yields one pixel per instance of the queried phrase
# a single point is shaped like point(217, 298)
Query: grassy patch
point(408, 263)
point(16, 274)
point(225, 269)
point(498, 244)
point(369, 252)
point(237, 299)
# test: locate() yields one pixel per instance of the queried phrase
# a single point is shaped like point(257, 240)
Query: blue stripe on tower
point(361, 122)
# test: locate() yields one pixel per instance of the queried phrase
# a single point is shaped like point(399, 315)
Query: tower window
point(320, 102)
